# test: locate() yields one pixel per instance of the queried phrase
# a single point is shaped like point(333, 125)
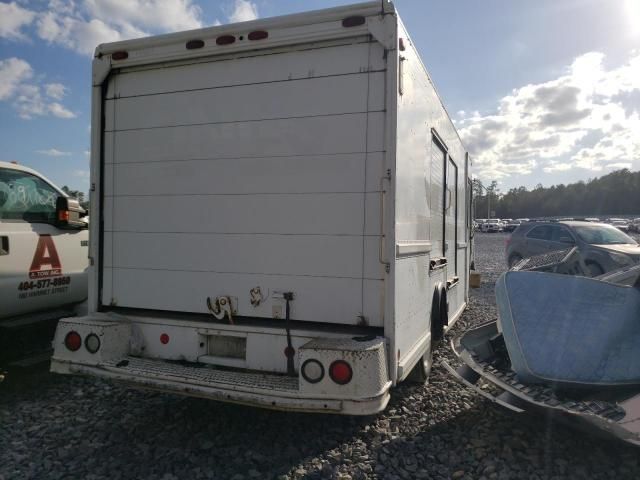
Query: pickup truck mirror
point(69, 212)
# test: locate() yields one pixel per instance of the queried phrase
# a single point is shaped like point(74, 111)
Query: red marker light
point(258, 35)
point(225, 40)
point(354, 21)
point(340, 372)
point(63, 215)
point(164, 339)
point(193, 44)
point(121, 55)
point(73, 341)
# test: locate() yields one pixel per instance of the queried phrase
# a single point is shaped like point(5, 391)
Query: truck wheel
point(420, 372)
point(437, 327)
point(444, 308)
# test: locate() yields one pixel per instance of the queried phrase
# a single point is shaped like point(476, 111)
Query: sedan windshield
point(602, 235)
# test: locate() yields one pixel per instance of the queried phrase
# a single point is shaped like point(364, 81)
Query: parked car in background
point(592, 219)
point(492, 225)
point(622, 225)
point(512, 225)
point(634, 226)
point(603, 247)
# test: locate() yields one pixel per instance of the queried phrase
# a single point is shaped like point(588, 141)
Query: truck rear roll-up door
point(263, 171)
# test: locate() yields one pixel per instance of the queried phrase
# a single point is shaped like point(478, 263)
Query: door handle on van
point(4, 245)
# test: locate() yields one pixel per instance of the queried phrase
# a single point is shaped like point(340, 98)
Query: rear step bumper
point(619, 419)
point(271, 391)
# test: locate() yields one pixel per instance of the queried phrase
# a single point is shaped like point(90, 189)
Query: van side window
point(542, 232)
point(24, 196)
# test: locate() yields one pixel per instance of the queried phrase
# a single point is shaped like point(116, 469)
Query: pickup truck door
point(41, 265)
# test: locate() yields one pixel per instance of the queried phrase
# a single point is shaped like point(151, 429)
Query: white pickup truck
point(43, 246)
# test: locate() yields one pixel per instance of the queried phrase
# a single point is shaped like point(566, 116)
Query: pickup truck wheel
point(420, 372)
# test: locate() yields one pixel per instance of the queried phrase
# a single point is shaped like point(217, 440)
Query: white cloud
point(53, 152)
point(18, 86)
point(243, 11)
point(162, 15)
point(587, 118)
point(13, 71)
point(55, 90)
point(58, 110)
point(12, 19)
point(75, 33)
point(82, 26)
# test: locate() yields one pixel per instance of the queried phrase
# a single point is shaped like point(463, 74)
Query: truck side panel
point(429, 152)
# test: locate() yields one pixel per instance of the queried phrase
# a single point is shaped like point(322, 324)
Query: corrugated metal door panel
point(251, 254)
point(436, 200)
point(295, 98)
point(278, 137)
point(336, 173)
point(318, 299)
point(277, 225)
point(285, 255)
point(258, 67)
point(285, 214)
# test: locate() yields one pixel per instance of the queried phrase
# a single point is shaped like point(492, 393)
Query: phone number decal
point(44, 283)
point(45, 286)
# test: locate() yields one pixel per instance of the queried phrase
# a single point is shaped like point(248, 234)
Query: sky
point(541, 91)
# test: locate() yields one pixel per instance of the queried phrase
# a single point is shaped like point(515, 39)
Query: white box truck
point(281, 214)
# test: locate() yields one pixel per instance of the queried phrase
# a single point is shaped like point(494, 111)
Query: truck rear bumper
point(271, 391)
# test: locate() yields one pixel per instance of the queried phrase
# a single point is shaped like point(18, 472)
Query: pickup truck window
point(24, 196)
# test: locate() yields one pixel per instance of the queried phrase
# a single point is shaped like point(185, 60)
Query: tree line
point(617, 193)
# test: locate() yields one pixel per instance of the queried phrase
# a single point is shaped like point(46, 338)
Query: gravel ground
point(61, 427)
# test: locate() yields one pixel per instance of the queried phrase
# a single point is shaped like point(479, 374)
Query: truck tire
point(444, 308)
point(420, 372)
point(437, 327)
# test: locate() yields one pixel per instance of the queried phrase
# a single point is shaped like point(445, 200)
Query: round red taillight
point(164, 339)
point(340, 372)
point(73, 341)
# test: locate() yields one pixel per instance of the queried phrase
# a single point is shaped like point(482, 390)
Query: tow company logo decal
point(46, 256)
